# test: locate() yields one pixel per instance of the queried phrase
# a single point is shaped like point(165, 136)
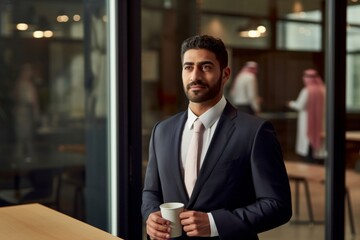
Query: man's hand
point(195, 223)
point(157, 227)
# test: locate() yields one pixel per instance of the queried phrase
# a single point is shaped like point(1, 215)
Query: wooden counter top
point(37, 222)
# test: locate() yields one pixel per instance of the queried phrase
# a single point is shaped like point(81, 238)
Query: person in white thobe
point(303, 145)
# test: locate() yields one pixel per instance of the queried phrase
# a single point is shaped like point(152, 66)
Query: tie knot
point(197, 125)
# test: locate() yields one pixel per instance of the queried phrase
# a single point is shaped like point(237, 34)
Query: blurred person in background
point(27, 115)
point(26, 111)
point(311, 118)
point(244, 92)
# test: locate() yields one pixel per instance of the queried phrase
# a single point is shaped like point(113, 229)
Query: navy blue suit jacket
point(242, 182)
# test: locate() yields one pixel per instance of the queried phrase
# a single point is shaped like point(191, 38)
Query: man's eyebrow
point(198, 63)
point(205, 62)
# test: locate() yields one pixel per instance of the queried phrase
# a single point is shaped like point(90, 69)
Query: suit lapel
point(222, 135)
point(177, 156)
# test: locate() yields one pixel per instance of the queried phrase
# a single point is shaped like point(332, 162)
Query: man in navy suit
point(242, 187)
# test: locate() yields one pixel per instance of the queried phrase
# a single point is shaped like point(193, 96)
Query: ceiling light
point(22, 26)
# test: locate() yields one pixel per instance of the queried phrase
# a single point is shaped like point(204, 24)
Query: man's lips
point(196, 87)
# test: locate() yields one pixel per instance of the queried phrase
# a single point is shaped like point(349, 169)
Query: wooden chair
point(303, 173)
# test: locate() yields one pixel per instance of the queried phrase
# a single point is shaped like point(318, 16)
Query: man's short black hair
point(207, 42)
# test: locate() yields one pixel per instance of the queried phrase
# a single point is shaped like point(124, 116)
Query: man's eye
point(187, 67)
point(206, 67)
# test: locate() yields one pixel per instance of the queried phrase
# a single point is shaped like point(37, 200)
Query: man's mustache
point(197, 82)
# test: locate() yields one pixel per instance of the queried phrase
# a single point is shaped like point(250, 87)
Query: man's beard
point(207, 94)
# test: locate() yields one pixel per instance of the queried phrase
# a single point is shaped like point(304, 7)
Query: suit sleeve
point(271, 185)
point(152, 195)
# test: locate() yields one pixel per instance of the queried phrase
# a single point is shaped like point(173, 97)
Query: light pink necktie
point(193, 155)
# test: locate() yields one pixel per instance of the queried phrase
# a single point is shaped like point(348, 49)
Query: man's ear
point(226, 74)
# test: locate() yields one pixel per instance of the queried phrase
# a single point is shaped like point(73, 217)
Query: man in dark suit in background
point(242, 187)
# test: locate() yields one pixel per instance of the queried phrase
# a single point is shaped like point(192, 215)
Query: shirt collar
point(209, 117)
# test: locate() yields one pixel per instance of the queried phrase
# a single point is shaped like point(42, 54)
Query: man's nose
point(196, 74)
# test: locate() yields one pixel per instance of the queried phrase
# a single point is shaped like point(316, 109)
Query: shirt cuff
point(213, 228)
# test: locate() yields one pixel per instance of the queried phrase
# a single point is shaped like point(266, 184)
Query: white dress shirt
point(210, 120)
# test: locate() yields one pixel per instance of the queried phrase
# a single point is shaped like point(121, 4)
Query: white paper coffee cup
point(170, 211)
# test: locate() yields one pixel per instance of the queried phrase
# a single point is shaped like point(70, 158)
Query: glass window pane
point(353, 14)
point(353, 36)
point(298, 36)
point(353, 82)
point(53, 106)
point(353, 60)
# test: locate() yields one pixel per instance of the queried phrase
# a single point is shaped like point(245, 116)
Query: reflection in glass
point(53, 105)
point(26, 111)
